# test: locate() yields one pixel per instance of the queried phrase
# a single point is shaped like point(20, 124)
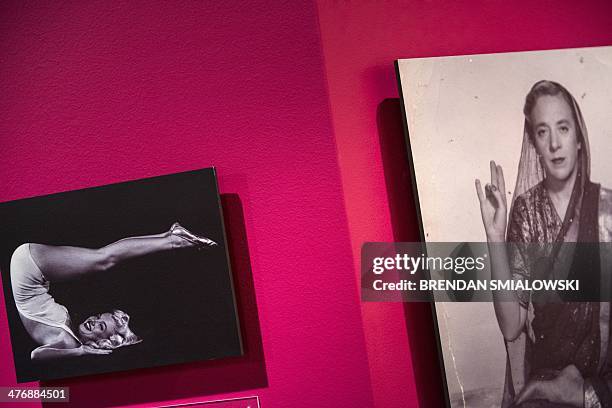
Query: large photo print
point(117, 277)
point(516, 148)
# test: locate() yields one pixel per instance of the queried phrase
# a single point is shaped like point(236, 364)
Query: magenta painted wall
point(360, 42)
point(102, 92)
point(288, 100)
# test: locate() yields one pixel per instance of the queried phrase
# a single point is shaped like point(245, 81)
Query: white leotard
point(31, 293)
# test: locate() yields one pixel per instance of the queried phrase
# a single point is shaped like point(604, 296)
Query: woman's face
point(98, 327)
point(555, 136)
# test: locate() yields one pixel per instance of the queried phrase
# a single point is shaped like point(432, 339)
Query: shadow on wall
point(193, 379)
point(405, 223)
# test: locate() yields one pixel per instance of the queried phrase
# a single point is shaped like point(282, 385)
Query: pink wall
point(95, 93)
point(291, 111)
point(360, 42)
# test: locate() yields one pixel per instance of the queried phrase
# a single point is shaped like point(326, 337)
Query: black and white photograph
point(118, 277)
point(516, 148)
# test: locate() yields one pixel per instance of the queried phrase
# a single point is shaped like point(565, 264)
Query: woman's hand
point(88, 350)
point(56, 351)
point(566, 388)
point(493, 206)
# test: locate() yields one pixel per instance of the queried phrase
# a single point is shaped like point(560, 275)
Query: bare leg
point(68, 262)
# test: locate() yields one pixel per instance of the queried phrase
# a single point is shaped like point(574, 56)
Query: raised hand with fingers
point(493, 207)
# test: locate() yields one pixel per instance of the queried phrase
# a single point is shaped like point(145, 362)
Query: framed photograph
point(117, 277)
point(516, 147)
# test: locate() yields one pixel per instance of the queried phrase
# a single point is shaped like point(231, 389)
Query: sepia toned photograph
point(515, 148)
point(117, 277)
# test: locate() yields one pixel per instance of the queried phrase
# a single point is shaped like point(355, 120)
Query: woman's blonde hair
point(123, 337)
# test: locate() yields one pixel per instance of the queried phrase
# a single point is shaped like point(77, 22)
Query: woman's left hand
point(566, 388)
point(493, 206)
point(86, 350)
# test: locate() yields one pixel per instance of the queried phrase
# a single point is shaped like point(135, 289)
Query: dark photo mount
point(181, 301)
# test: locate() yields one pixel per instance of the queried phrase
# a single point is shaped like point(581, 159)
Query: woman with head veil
point(557, 349)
